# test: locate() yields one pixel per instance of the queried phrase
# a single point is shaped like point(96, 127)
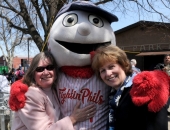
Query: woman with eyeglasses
point(41, 110)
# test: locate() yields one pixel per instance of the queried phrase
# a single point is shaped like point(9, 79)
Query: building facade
point(145, 41)
point(17, 61)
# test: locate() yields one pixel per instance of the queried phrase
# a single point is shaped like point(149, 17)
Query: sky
point(33, 50)
point(125, 19)
point(131, 15)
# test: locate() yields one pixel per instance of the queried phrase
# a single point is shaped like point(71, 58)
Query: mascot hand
point(151, 88)
point(17, 95)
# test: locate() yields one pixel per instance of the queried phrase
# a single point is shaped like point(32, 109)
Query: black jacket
point(130, 117)
point(159, 66)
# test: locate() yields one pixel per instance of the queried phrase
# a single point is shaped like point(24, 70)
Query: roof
point(153, 53)
point(149, 23)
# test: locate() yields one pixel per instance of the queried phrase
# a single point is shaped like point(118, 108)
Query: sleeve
point(34, 115)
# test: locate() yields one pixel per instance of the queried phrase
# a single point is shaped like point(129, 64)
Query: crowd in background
point(14, 74)
point(6, 80)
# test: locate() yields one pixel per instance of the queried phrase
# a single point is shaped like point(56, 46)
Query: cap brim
point(88, 7)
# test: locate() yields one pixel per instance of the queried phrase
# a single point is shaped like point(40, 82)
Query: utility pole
point(29, 38)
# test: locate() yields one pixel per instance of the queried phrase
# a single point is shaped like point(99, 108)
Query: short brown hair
point(111, 53)
point(166, 55)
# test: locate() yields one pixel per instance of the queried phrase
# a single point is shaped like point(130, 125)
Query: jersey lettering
point(84, 94)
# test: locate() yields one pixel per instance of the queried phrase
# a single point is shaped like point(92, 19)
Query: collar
point(130, 80)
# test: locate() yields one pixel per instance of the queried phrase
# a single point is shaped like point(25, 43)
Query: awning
point(153, 53)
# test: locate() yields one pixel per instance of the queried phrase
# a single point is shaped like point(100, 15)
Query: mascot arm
point(17, 95)
point(151, 88)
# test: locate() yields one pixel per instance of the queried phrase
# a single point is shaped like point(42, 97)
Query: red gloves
point(151, 88)
point(17, 95)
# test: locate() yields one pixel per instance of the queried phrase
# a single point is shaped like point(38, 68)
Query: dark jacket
point(130, 117)
point(159, 66)
point(11, 77)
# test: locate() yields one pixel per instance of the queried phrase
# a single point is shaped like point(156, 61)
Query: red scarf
point(78, 72)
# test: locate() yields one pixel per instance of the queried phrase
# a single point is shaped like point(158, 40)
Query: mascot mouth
point(82, 48)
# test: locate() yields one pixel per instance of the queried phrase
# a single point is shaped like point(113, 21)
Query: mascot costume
point(79, 28)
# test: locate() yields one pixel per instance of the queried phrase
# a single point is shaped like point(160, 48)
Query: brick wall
point(16, 61)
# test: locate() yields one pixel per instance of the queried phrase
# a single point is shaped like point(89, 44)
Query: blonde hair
point(111, 53)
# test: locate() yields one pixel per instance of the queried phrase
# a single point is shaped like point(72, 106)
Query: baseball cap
point(87, 6)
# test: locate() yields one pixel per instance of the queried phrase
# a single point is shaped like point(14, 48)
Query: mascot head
point(79, 28)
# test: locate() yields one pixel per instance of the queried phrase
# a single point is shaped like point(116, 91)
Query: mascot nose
point(84, 29)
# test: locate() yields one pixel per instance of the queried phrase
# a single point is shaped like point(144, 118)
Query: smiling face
point(167, 59)
point(75, 34)
point(112, 74)
point(46, 77)
point(112, 65)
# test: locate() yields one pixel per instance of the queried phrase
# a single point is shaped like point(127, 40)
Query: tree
point(160, 7)
point(37, 16)
point(142, 8)
point(10, 39)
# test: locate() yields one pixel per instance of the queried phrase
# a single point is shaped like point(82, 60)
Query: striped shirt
point(92, 90)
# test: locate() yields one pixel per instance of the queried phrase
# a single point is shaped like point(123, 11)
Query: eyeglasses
point(41, 69)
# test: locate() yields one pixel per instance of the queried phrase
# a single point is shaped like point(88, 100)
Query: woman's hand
point(82, 114)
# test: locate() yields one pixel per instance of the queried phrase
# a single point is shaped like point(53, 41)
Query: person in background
point(167, 64)
point(4, 85)
point(134, 68)
point(11, 76)
point(4, 93)
point(41, 110)
point(111, 64)
point(164, 66)
point(19, 73)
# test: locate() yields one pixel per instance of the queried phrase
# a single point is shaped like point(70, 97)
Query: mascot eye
point(70, 20)
point(95, 21)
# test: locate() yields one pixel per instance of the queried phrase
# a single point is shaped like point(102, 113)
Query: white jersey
point(88, 91)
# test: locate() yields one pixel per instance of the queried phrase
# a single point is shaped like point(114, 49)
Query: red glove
point(151, 88)
point(17, 95)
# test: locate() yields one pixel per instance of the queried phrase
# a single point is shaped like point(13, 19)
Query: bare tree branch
point(102, 2)
point(35, 17)
point(10, 39)
point(161, 15)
